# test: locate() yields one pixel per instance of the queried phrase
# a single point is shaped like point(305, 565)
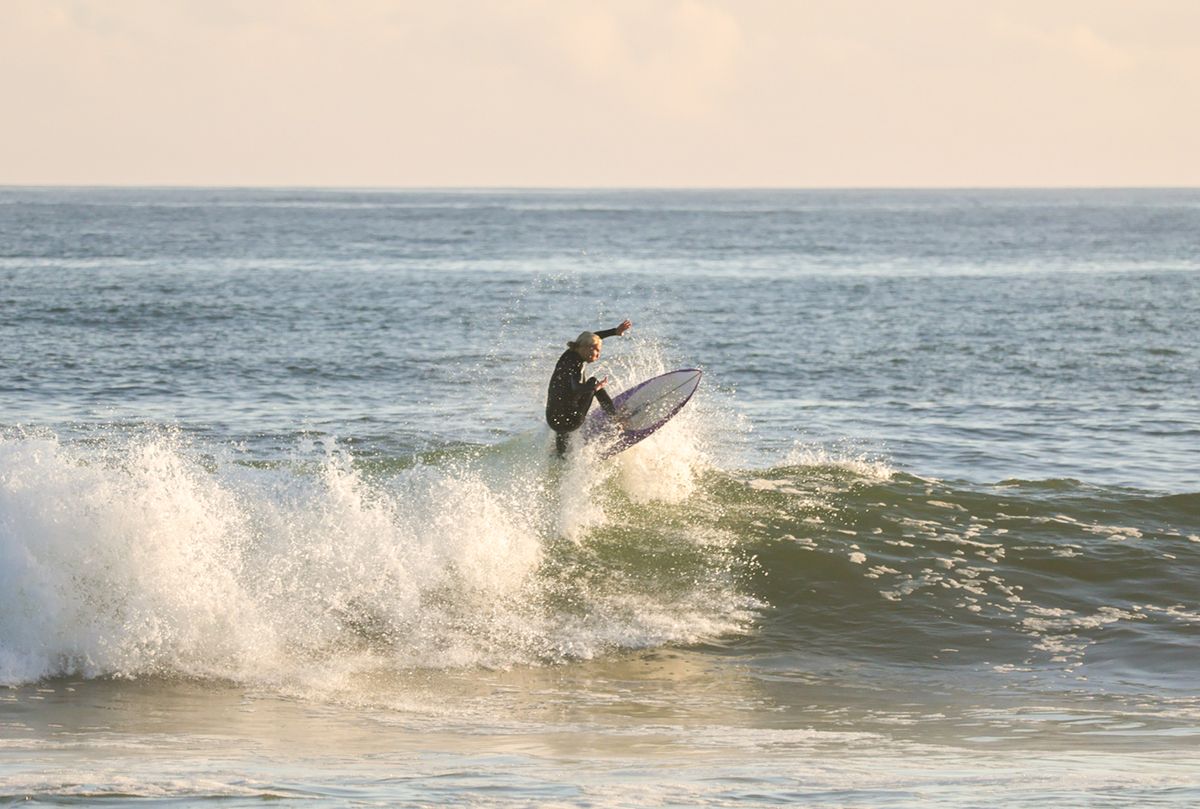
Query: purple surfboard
point(643, 409)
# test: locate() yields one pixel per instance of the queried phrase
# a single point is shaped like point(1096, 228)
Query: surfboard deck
point(641, 410)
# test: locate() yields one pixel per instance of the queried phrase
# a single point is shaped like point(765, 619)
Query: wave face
point(1019, 576)
point(154, 556)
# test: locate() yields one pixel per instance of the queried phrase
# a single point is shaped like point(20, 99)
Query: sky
point(600, 93)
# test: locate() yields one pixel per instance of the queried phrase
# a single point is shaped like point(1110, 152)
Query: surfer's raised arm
point(619, 331)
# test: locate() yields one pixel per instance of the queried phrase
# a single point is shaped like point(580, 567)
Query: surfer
point(570, 395)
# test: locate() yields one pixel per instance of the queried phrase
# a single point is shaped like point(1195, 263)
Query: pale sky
point(552, 93)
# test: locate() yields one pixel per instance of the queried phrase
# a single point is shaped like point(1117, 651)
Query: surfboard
point(641, 410)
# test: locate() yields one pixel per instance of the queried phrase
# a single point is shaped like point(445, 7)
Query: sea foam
point(154, 556)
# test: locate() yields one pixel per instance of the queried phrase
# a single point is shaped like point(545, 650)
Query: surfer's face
point(590, 353)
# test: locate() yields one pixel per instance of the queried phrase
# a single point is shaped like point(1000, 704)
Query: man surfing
point(570, 395)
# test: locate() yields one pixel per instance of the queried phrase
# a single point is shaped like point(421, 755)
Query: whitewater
point(279, 518)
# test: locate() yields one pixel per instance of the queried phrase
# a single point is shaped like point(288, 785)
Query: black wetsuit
point(570, 395)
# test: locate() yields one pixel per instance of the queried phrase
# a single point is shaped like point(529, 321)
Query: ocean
point(280, 518)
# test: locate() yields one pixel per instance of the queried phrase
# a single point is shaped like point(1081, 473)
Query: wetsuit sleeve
point(605, 333)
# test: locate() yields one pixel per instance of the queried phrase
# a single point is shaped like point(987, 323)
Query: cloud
point(1079, 43)
point(679, 59)
point(1094, 49)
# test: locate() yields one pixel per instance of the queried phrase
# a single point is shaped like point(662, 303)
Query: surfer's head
point(586, 345)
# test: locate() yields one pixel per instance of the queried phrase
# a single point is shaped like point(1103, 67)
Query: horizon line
point(573, 188)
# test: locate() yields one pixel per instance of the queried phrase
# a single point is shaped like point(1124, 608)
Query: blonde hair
point(584, 338)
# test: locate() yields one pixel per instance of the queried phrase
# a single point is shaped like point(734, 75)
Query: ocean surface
point(279, 519)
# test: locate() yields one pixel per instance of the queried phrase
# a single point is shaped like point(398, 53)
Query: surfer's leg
point(564, 424)
point(606, 402)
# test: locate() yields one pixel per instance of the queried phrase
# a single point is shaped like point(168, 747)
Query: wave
point(149, 555)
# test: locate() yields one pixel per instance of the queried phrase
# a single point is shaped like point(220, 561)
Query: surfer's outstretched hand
point(602, 383)
point(624, 327)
